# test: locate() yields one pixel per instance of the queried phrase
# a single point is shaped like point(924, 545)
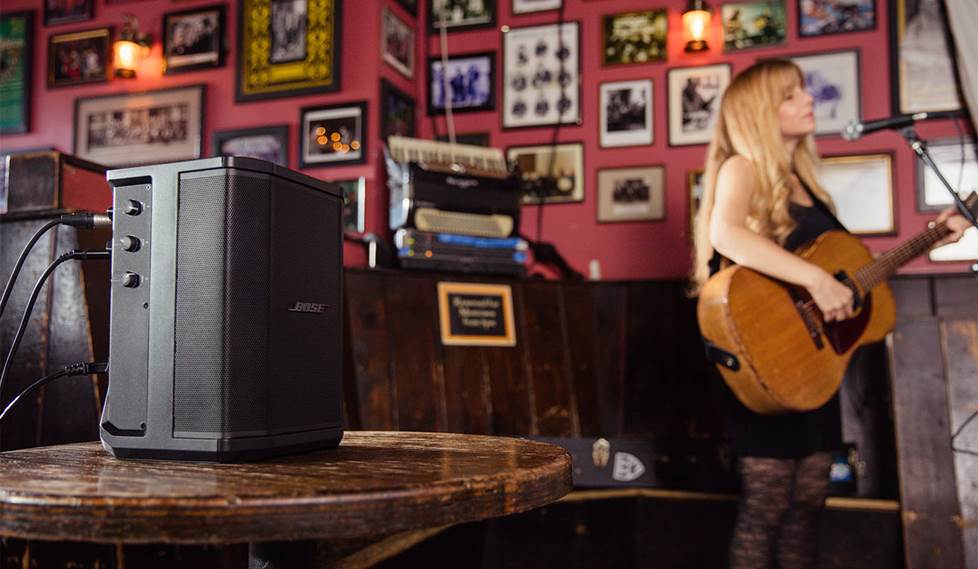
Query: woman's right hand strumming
point(833, 298)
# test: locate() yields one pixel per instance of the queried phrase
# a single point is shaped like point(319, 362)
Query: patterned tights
point(778, 515)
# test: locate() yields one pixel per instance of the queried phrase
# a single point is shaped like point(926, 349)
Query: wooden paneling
point(369, 346)
point(581, 346)
point(609, 340)
point(547, 361)
point(467, 396)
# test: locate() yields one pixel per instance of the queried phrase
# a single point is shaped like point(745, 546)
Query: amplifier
point(226, 312)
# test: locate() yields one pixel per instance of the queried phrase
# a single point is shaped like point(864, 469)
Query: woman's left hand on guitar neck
point(955, 222)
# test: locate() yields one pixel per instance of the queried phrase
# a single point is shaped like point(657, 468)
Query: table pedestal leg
point(282, 555)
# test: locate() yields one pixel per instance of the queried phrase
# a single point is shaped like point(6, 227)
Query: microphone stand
point(920, 149)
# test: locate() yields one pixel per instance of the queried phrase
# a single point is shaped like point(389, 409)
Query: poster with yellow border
point(475, 314)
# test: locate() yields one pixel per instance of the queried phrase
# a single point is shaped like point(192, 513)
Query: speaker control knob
point(130, 243)
point(133, 207)
point(130, 280)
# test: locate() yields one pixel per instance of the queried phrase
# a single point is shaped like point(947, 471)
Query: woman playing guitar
point(761, 201)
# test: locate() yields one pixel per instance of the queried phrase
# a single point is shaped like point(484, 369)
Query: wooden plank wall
point(934, 354)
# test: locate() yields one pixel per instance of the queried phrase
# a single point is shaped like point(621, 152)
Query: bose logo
point(461, 183)
point(311, 307)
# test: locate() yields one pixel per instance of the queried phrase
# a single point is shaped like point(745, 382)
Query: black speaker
point(226, 312)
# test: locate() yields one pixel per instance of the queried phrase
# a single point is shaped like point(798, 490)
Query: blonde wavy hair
point(748, 126)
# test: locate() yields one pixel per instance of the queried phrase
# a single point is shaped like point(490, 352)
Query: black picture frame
point(607, 24)
point(803, 34)
point(489, 105)
point(434, 28)
point(356, 110)
point(21, 122)
point(897, 8)
point(410, 6)
point(955, 146)
point(279, 132)
point(394, 103)
point(53, 16)
point(245, 91)
point(63, 50)
point(209, 59)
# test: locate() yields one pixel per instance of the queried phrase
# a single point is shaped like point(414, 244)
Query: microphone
point(857, 129)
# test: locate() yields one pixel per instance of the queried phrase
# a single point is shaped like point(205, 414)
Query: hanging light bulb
point(696, 21)
point(130, 48)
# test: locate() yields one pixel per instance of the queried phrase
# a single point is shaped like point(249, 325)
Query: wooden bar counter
point(374, 484)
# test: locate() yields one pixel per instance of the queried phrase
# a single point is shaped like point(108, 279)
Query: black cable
point(958, 432)
point(68, 371)
point(83, 254)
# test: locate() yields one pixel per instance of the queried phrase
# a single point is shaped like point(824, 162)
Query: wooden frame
point(933, 87)
point(620, 193)
point(828, 74)
point(655, 53)
point(861, 186)
point(676, 112)
point(397, 112)
point(467, 23)
point(79, 58)
point(269, 143)
point(94, 117)
point(528, 7)
point(947, 153)
point(17, 31)
point(626, 136)
point(354, 202)
point(266, 70)
point(491, 303)
point(484, 59)
point(569, 154)
point(332, 118)
point(390, 24)
point(206, 51)
point(843, 20)
point(551, 91)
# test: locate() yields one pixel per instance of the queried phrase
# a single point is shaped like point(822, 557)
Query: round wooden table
point(373, 484)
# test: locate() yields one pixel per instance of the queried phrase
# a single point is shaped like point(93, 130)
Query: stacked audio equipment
point(454, 208)
point(226, 318)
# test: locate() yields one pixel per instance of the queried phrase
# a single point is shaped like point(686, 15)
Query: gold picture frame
point(476, 314)
point(287, 48)
point(861, 185)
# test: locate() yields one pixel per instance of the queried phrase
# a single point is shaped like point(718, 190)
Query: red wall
point(625, 251)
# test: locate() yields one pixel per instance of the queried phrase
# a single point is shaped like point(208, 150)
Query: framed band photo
point(631, 194)
point(694, 102)
point(958, 162)
point(397, 43)
point(140, 128)
point(541, 75)
point(832, 79)
point(333, 135)
point(467, 83)
point(626, 113)
point(16, 37)
point(565, 167)
point(461, 14)
point(193, 39)
point(287, 48)
point(529, 6)
point(354, 194)
point(634, 37)
point(397, 111)
point(824, 17)
point(921, 66)
point(79, 58)
point(748, 25)
point(269, 143)
point(64, 12)
point(861, 187)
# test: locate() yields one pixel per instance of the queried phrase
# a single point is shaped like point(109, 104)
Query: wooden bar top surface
point(374, 483)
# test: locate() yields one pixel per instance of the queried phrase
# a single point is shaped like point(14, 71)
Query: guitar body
point(786, 359)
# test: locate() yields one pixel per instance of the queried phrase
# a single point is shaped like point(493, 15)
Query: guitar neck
point(888, 263)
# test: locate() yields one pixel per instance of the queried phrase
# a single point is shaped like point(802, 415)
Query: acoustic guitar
point(769, 339)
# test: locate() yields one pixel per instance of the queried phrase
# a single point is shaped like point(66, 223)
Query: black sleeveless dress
point(794, 435)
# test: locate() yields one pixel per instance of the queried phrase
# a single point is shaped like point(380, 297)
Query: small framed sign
point(476, 314)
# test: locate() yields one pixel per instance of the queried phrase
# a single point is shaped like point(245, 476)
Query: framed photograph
point(529, 6)
point(753, 24)
point(79, 57)
point(542, 75)
point(467, 82)
point(631, 194)
point(193, 39)
point(65, 11)
point(461, 14)
point(140, 128)
point(397, 43)
point(269, 143)
point(354, 194)
point(397, 112)
point(694, 189)
point(861, 187)
point(921, 67)
point(694, 102)
point(494, 325)
point(626, 113)
point(634, 37)
point(958, 163)
point(16, 49)
point(334, 135)
point(832, 79)
point(566, 167)
point(287, 48)
point(824, 17)
point(964, 250)
point(470, 138)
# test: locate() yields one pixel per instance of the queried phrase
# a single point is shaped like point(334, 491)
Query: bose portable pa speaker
point(226, 312)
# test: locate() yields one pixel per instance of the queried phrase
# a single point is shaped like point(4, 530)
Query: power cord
point(82, 254)
point(68, 371)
